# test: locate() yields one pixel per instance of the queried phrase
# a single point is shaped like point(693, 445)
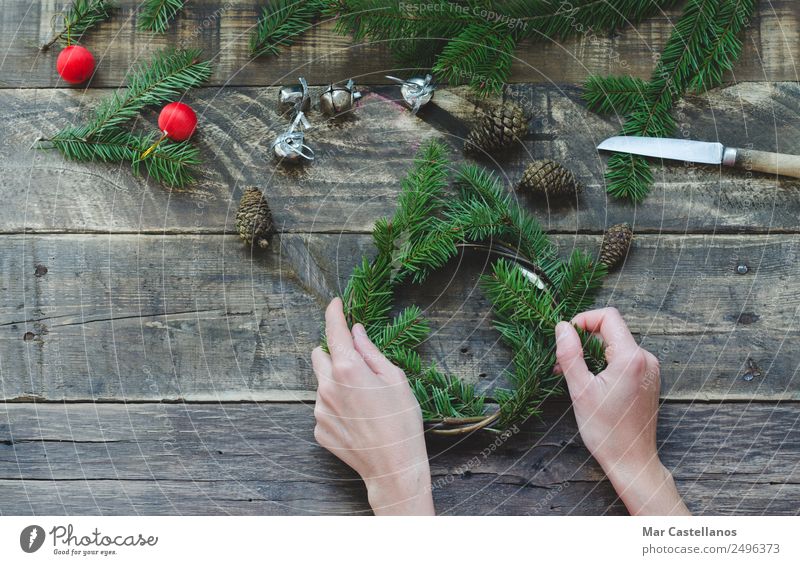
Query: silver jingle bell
point(295, 97)
point(290, 145)
point(416, 92)
point(336, 100)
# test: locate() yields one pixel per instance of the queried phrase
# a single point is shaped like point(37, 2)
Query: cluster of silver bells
point(334, 101)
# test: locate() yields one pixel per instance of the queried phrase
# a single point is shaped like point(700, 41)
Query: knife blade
point(715, 153)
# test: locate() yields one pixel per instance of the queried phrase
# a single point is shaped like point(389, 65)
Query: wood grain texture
point(360, 162)
point(145, 317)
point(262, 459)
point(770, 163)
point(222, 29)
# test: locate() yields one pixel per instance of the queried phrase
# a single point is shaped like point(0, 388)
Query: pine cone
point(254, 218)
point(550, 178)
point(498, 128)
point(616, 242)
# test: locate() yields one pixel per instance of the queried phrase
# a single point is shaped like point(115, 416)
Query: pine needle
point(78, 18)
point(617, 95)
point(170, 163)
point(281, 22)
point(156, 15)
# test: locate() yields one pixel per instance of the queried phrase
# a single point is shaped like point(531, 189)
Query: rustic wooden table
point(150, 365)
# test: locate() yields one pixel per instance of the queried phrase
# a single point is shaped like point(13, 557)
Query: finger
point(321, 363)
point(372, 355)
point(651, 377)
point(612, 328)
point(340, 342)
point(570, 358)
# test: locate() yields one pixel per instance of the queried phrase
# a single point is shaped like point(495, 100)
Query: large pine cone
point(500, 127)
point(550, 178)
point(254, 218)
point(616, 242)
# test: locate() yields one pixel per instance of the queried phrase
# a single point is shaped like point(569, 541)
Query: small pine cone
point(500, 127)
point(254, 218)
point(616, 242)
point(550, 178)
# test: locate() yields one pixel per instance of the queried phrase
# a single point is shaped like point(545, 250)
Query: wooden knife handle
point(766, 162)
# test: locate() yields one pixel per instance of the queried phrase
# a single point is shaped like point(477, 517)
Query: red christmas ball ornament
point(177, 121)
point(75, 64)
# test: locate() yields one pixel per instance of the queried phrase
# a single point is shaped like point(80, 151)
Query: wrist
point(407, 493)
point(646, 487)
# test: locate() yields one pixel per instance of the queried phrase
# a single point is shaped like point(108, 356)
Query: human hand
point(617, 409)
point(368, 417)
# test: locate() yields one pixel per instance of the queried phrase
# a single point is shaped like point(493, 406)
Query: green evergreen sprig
point(78, 18)
point(618, 95)
point(531, 289)
point(473, 41)
point(155, 15)
point(165, 78)
point(281, 22)
point(169, 163)
point(703, 45)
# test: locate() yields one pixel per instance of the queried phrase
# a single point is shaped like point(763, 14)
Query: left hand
point(368, 417)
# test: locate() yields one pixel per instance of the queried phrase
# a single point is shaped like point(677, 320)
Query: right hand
point(617, 409)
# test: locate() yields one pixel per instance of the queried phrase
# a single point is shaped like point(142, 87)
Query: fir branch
point(702, 46)
point(514, 297)
point(156, 15)
point(628, 176)
point(474, 41)
point(482, 54)
point(165, 78)
point(533, 378)
point(78, 18)
point(726, 47)
point(618, 95)
point(578, 280)
point(281, 22)
point(483, 193)
point(170, 163)
point(368, 295)
point(556, 19)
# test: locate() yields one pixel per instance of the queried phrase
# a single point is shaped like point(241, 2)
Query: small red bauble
point(177, 121)
point(75, 64)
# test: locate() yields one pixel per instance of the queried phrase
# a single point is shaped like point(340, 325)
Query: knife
point(705, 152)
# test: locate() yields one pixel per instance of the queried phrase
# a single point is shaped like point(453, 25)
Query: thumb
point(569, 354)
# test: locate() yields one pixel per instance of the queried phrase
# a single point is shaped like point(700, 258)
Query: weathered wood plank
point(360, 162)
point(223, 28)
point(197, 318)
point(262, 459)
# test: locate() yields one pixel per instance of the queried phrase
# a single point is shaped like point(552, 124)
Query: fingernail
point(561, 331)
point(359, 330)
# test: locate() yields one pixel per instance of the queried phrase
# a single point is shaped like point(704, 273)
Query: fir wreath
point(530, 287)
